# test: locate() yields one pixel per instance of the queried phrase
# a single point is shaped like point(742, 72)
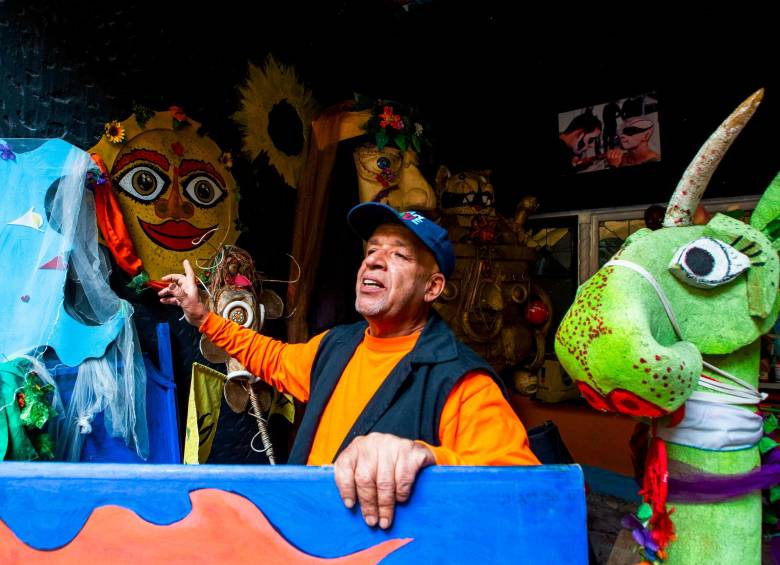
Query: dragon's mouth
point(621, 401)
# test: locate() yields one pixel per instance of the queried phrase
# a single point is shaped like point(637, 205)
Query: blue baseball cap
point(366, 217)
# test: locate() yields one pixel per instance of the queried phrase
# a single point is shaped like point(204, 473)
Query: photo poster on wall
point(618, 133)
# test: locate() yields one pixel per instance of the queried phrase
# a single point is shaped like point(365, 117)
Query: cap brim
point(366, 217)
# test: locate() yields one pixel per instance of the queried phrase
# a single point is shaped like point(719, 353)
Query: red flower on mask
point(388, 118)
point(179, 117)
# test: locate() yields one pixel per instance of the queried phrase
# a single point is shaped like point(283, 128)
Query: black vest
point(408, 403)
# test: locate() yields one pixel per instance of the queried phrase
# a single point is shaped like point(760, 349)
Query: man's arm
point(284, 366)
point(479, 427)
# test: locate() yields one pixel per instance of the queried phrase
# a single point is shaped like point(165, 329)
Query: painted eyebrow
point(142, 154)
point(189, 165)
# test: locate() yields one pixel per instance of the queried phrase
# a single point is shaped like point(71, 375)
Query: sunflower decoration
point(114, 131)
point(275, 117)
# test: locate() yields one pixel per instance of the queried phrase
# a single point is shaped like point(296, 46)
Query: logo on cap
point(413, 217)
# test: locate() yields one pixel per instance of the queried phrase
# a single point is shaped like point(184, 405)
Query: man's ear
point(580, 145)
point(434, 287)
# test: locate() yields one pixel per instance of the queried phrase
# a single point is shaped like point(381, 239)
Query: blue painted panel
point(456, 515)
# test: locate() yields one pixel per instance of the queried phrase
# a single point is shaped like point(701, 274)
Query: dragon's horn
point(689, 190)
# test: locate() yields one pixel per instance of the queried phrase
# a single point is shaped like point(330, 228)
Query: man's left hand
point(379, 470)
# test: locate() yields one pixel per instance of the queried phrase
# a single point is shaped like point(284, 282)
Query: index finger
point(188, 272)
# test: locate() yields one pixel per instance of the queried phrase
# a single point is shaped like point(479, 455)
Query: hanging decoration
point(58, 288)
point(235, 292)
point(44, 234)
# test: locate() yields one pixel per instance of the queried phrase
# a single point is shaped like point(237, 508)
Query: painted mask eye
point(143, 183)
point(375, 163)
point(707, 263)
point(203, 191)
point(239, 312)
point(383, 163)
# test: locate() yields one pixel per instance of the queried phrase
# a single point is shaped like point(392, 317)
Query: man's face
point(632, 137)
point(392, 280)
point(586, 141)
point(634, 132)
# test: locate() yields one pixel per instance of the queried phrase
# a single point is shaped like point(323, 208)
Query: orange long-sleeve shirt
point(477, 427)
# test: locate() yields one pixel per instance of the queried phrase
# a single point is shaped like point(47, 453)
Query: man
point(575, 141)
point(635, 143)
point(389, 396)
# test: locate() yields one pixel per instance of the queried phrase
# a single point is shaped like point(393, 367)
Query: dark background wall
point(490, 76)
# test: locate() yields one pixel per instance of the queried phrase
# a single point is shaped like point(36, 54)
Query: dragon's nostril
point(629, 404)
point(594, 399)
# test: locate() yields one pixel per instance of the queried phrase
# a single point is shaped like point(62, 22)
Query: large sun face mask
point(48, 242)
point(177, 196)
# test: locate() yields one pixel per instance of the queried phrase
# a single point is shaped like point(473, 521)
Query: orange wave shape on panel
point(221, 528)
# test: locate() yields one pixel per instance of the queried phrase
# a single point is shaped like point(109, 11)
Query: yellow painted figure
point(487, 298)
point(392, 177)
point(177, 196)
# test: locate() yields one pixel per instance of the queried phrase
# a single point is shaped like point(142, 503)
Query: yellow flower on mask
point(114, 131)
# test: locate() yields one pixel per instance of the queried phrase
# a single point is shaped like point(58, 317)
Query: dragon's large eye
point(707, 262)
